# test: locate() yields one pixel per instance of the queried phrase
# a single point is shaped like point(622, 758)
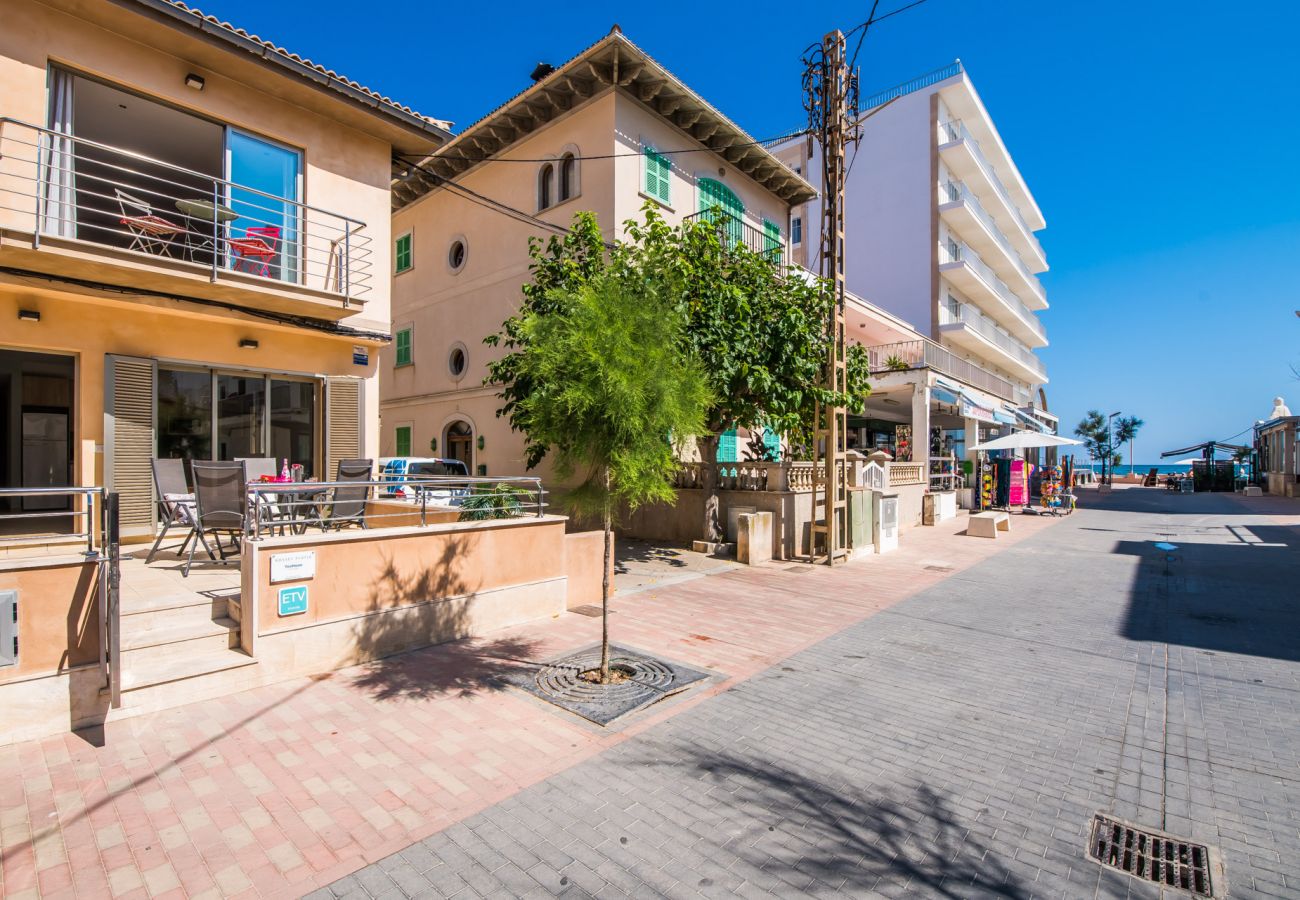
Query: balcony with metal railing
point(923, 353)
point(70, 206)
point(964, 268)
point(736, 231)
point(962, 153)
point(970, 329)
point(964, 213)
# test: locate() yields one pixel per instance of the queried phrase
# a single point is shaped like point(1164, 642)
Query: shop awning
point(1029, 420)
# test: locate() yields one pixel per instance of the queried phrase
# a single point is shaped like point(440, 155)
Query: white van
point(395, 469)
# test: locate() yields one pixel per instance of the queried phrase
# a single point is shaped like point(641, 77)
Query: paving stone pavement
point(276, 791)
point(956, 744)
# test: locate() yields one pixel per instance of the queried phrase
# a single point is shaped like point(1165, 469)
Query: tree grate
point(1158, 858)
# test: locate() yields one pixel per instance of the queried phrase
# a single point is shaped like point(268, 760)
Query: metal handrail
point(312, 243)
point(298, 504)
point(958, 192)
point(911, 85)
point(966, 255)
point(742, 232)
point(8, 120)
point(955, 130)
point(985, 326)
point(923, 353)
point(93, 497)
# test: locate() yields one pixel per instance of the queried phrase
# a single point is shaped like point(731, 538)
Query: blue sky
point(1159, 138)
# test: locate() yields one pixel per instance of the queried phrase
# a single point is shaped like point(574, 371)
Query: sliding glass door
point(207, 414)
point(265, 179)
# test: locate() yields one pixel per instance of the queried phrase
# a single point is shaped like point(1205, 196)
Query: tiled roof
point(239, 37)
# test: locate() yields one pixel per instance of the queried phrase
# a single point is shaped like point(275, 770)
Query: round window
point(457, 361)
point(456, 254)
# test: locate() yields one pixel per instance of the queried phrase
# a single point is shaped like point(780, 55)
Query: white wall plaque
point(293, 566)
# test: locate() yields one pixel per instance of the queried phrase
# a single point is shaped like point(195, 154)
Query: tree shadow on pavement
point(630, 551)
point(848, 839)
point(411, 610)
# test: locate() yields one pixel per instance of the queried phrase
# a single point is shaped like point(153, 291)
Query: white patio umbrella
point(1023, 440)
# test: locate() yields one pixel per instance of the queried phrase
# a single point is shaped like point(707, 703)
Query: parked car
point(398, 470)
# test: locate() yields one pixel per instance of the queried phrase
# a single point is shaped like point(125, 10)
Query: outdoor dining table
point(293, 510)
point(199, 236)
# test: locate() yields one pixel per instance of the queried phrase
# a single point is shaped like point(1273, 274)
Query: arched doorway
point(459, 442)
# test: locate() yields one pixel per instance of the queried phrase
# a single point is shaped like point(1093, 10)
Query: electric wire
point(580, 158)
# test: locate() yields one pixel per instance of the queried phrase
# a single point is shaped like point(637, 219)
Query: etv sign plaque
point(293, 600)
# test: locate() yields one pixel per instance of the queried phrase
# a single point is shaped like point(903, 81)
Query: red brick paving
point(279, 790)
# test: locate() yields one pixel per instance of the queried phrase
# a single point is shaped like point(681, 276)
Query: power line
point(551, 159)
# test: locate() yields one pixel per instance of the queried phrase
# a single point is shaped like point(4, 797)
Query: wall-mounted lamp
point(248, 343)
point(433, 445)
point(480, 442)
point(194, 82)
point(29, 315)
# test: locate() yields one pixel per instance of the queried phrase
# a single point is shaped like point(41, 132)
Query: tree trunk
point(604, 591)
point(1130, 456)
point(710, 529)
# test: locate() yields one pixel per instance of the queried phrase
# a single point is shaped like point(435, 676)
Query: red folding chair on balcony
point(149, 233)
point(257, 249)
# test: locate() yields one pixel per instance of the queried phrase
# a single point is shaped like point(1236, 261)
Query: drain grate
point(589, 609)
point(1151, 856)
point(649, 681)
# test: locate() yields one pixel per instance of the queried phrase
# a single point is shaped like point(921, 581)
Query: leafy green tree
point(609, 381)
point(1126, 431)
point(758, 328)
point(1096, 440)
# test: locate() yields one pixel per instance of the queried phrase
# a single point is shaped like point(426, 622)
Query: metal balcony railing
point(971, 258)
point(955, 130)
point(988, 329)
point(924, 353)
point(736, 231)
point(910, 86)
point(56, 185)
point(954, 191)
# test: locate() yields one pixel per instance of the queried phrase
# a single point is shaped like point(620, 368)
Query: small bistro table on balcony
point(199, 233)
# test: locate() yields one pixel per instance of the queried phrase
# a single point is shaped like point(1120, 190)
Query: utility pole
point(831, 100)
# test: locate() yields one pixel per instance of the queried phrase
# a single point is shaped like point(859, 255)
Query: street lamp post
point(1106, 463)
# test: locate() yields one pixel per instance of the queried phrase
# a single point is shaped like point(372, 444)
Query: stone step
point(172, 613)
point(177, 637)
point(153, 685)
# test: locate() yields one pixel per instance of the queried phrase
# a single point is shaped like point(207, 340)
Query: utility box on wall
point(8, 628)
point(861, 540)
point(884, 521)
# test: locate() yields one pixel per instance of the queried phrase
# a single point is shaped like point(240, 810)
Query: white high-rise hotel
point(940, 232)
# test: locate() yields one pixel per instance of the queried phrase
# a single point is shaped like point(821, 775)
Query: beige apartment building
point(606, 132)
point(194, 248)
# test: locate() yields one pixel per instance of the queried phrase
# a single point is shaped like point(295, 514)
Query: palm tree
point(1126, 429)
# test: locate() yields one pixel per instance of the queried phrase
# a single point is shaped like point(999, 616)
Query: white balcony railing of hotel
point(954, 191)
point(56, 185)
point(971, 258)
point(955, 130)
point(988, 329)
point(923, 353)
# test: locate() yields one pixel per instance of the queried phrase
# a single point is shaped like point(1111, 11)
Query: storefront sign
point(360, 356)
point(298, 566)
point(971, 411)
point(293, 600)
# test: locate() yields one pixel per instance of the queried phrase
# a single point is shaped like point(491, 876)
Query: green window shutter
point(658, 172)
point(715, 194)
point(402, 255)
point(772, 444)
point(772, 239)
point(403, 441)
point(403, 344)
point(727, 446)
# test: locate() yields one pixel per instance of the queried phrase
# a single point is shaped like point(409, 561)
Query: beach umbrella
point(1024, 440)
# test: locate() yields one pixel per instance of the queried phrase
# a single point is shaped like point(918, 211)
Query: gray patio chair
point(220, 505)
point(254, 468)
point(175, 503)
point(347, 503)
